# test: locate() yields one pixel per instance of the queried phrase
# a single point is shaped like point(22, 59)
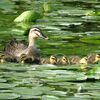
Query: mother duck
point(15, 49)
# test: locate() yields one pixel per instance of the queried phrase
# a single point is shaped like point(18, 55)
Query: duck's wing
point(14, 47)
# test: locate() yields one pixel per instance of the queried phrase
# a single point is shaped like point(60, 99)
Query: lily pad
point(48, 97)
point(8, 96)
point(30, 93)
point(6, 86)
point(2, 80)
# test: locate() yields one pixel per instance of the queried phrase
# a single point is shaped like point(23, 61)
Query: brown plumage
point(63, 61)
point(6, 58)
point(51, 60)
point(93, 58)
point(74, 59)
point(16, 48)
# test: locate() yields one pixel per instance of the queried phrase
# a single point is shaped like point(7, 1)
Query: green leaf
point(8, 96)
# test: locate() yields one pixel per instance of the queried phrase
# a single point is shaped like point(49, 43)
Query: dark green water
point(73, 28)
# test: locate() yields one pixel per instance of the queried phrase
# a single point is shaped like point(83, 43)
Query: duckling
point(83, 64)
point(74, 59)
point(27, 59)
point(83, 60)
point(6, 58)
point(93, 58)
point(63, 61)
point(52, 60)
point(2, 60)
point(16, 48)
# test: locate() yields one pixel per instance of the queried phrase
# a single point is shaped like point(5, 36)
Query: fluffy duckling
point(52, 60)
point(83, 61)
point(93, 58)
point(83, 64)
point(27, 59)
point(6, 58)
point(63, 61)
point(2, 59)
point(74, 59)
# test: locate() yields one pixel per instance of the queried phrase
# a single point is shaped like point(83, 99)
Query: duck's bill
point(43, 36)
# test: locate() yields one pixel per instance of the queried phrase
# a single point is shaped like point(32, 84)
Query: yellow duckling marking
point(97, 58)
point(22, 62)
point(83, 61)
point(2, 58)
point(64, 60)
point(53, 59)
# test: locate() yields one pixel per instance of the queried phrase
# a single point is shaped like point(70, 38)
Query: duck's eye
point(36, 30)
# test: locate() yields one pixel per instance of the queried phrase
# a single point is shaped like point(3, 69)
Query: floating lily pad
point(57, 93)
point(2, 80)
point(48, 97)
point(29, 93)
point(26, 93)
point(91, 39)
point(6, 86)
point(8, 96)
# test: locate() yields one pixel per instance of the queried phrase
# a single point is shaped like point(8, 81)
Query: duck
point(74, 59)
point(63, 60)
point(51, 60)
point(93, 58)
point(17, 49)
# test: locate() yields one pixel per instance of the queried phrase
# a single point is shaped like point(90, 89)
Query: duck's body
point(16, 48)
point(51, 60)
point(74, 59)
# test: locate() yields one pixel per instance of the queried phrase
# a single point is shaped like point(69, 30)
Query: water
point(72, 30)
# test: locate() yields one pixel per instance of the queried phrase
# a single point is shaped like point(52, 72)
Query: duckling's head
point(36, 33)
point(53, 59)
point(83, 60)
point(97, 57)
point(64, 60)
point(2, 56)
point(25, 59)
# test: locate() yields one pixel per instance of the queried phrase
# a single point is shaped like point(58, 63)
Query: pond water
point(73, 28)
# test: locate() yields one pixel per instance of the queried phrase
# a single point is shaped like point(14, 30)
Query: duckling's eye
point(53, 58)
point(64, 59)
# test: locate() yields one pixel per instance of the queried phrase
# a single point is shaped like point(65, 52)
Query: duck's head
point(64, 60)
point(53, 59)
point(36, 33)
